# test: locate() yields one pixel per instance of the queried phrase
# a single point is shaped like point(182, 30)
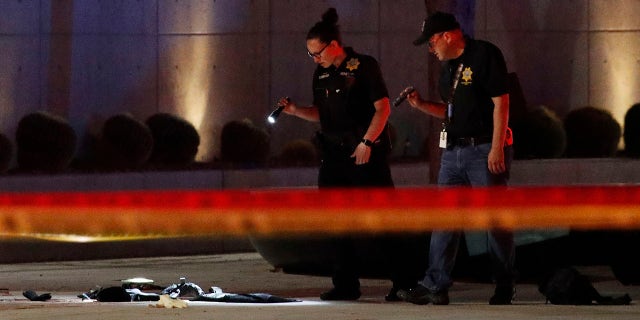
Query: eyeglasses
point(432, 41)
point(317, 54)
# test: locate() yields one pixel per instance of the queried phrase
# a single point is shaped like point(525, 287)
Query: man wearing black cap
point(476, 147)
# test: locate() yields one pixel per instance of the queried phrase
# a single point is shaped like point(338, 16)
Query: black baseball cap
point(436, 23)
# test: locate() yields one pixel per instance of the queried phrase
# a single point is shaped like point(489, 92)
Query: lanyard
point(454, 85)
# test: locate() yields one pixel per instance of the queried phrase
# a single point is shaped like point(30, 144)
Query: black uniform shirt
point(484, 75)
point(345, 95)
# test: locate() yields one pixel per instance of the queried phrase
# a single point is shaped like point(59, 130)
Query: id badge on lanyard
point(443, 139)
point(449, 112)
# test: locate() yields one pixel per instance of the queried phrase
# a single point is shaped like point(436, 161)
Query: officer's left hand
point(496, 161)
point(361, 154)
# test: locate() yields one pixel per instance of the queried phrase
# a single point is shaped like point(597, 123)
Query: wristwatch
point(367, 142)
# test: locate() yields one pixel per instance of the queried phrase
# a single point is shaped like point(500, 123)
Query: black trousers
point(338, 170)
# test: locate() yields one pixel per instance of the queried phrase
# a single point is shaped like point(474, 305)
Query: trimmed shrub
point(45, 143)
point(540, 135)
point(125, 144)
point(299, 153)
point(175, 141)
point(244, 145)
point(632, 131)
point(6, 152)
point(591, 133)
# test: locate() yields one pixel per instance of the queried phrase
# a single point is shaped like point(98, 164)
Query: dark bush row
point(46, 143)
point(584, 133)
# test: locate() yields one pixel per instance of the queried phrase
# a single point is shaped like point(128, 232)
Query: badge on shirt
point(466, 76)
point(353, 64)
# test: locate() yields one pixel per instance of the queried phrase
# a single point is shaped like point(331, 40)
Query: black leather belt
point(469, 141)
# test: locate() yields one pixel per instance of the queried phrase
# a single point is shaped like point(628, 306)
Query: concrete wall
point(216, 61)
point(552, 172)
point(569, 54)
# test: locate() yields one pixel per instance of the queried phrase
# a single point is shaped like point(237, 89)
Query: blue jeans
point(468, 166)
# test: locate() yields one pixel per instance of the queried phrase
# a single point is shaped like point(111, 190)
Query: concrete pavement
point(248, 272)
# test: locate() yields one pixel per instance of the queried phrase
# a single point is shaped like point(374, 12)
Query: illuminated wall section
point(569, 54)
point(615, 56)
point(213, 59)
point(212, 62)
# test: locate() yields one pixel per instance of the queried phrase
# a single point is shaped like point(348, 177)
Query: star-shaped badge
point(466, 75)
point(353, 64)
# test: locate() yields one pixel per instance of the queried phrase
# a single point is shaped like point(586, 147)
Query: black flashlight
point(275, 113)
point(403, 96)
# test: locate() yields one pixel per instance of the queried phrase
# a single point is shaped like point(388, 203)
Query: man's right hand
point(289, 107)
point(414, 99)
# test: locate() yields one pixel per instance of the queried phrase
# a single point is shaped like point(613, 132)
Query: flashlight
point(275, 113)
point(403, 96)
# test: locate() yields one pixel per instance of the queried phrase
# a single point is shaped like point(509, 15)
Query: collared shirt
point(484, 75)
point(345, 95)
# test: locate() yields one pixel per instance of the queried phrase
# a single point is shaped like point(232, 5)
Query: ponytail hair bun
point(330, 16)
point(327, 29)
